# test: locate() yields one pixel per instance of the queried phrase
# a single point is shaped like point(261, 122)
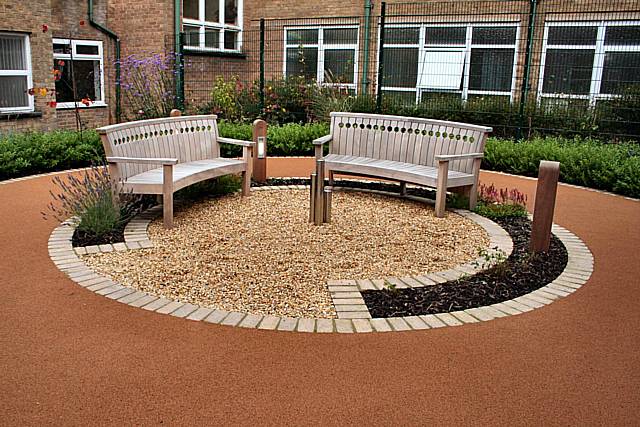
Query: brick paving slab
point(153, 306)
point(185, 310)
point(250, 321)
point(132, 297)
point(381, 325)
point(343, 326)
point(269, 322)
point(119, 294)
point(362, 325)
point(216, 316)
point(233, 318)
point(143, 301)
point(287, 324)
point(170, 308)
point(398, 324)
point(200, 314)
point(416, 323)
point(324, 325)
point(464, 317)
point(306, 325)
point(448, 319)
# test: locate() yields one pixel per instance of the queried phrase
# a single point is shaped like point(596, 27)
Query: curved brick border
point(353, 315)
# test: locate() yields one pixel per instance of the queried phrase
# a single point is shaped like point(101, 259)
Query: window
point(213, 25)
point(15, 73)
point(327, 55)
point(79, 63)
point(590, 60)
point(450, 60)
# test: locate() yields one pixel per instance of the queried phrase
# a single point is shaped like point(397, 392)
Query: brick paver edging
point(353, 315)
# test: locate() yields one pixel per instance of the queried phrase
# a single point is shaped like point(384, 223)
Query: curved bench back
point(186, 138)
point(405, 139)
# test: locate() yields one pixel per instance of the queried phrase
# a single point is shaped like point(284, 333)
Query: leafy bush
point(585, 162)
point(226, 184)
point(500, 203)
point(90, 198)
point(31, 153)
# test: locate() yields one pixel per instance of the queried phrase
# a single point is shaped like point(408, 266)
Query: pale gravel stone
point(362, 325)
point(170, 308)
point(343, 326)
point(233, 318)
point(185, 310)
point(448, 319)
point(200, 314)
point(269, 322)
point(324, 325)
point(154, 305)
point(398, 324)
point(380, 325)
point(464, 317)
point(216, 316)
point(251, 321)
point(306, 325)
point(416, 323)
point(287, 324)
point(236, 258)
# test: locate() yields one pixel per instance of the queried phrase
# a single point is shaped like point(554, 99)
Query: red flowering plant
point(501, 202)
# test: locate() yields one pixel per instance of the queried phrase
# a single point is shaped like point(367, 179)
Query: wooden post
point(546, 190)
point(312, 198)
point(441, 187)
point(175, 113)
point(318, 216)
point(326, 218)
point(260, 151)
point(167, 195)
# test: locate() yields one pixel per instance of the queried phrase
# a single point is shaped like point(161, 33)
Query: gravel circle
point(260, 254)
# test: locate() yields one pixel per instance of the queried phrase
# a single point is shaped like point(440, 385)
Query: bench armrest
point(447, 157)
point(143, 160)
point(322, 140)
point(232, 141)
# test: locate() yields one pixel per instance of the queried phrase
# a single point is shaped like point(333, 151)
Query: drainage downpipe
point(367, 29)
point(113, 36)
point(177, 15)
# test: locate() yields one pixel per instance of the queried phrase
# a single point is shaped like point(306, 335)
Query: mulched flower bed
point(520, 274)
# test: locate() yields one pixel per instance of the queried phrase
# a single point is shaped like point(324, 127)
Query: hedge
point(585, 162)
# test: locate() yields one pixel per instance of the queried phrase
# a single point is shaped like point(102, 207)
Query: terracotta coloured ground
point(69, 356)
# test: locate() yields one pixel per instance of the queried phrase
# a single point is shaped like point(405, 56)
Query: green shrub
point(585, 162)
point(31, 153)
point(222, 185)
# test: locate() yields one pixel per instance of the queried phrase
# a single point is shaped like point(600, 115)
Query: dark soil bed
point(520, 274)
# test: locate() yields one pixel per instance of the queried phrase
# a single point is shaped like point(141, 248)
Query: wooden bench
point(439, 154)
point(161, 156)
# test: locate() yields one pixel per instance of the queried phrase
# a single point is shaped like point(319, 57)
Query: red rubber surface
point(69, 356)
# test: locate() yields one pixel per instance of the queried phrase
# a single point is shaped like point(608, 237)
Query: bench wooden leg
point(441, 188)
point(403, 188)
point(246, 183)
point(167, 195)
point(473, 196)
point(331, 178)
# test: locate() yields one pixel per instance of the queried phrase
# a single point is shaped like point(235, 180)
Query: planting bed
point(520, 274)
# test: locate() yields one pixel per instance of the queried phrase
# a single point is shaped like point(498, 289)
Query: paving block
point(143, 301)
point(185, 310)
point(480, 313)
point(132, 297)
point(348, 301)
point(398, 324)
point(432, 321)
point(156, 304)
point(306, 325)
point(362, 325)
point(287, 324)
point(464, 317)
point(448, 319)
point(416, 323)
point(216, 316)
point(200, 314)
point(517, 305)
point(324, 325)
point(119, 294)
point(170, 308)
point(344, 326)
point(233, 318)
point(251, 321)
point(354, 315)
point(269, 322)
point(350, 307)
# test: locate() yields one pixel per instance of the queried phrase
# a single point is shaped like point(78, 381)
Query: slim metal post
point(526, 86)
point(383, 11)
point(262, 65)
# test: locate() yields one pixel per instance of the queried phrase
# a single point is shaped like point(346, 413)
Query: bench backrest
point(405, 139)
point(186, 138)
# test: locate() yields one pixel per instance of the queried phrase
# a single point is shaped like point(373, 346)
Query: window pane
point(191, 9)
point(442, 69)
point(191, 36)
point(341, 36)
point(86, 50)
point(622, 35)
point(401, 97)
point(62, 48)
point(400, 67)
point(338, 66)
point(14, 92)
point(495, 35)
point(302, 62)
point(231, 12)
point(445, 35)
point(12, 55)
point(230, 39)
point(401, 35)
point(491, 69)
point(212, 10)
point(302, 36)
point(573, 35)
point(87, 80)
point(621, 70)
point(212, 39)
point(568, 71)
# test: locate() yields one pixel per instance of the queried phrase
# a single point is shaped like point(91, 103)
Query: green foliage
point(492, 258)
point(89, 197)
point(31, 153)
point(222, 185)
point(285, 140)
point(224, 100)
point(585, 162)
point(495, 211)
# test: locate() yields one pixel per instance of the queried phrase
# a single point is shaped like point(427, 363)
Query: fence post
point(180, 73)
point(526, 86)
point(262, 66)
point(383, 12)
point(545, 204)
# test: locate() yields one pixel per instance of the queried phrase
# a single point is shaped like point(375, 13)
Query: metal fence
point(525, 67)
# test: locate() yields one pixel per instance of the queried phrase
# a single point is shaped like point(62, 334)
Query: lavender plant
point(148, 85)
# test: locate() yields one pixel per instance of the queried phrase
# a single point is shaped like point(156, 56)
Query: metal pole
point(364, 83)
point(526, 86)
point(383, 11)
point(180, 73)
point(262, 66)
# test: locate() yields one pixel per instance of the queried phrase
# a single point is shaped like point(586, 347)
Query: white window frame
point(600, 50)
point(423, 48)
point(82, 57)
point(21, 73)
point(205, 25)
point(321, 46)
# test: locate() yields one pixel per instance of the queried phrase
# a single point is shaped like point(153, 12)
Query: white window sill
point(80, 105)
